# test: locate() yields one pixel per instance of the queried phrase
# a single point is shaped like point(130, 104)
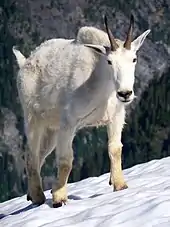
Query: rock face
point(27, 23)
point(63, 18)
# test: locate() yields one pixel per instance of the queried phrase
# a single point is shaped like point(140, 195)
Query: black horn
point(113, 43)
point(128, 41)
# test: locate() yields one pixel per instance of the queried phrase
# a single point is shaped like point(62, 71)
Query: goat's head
point(121, 56)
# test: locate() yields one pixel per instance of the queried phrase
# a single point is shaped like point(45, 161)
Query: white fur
point(20, 57)
point(66, 85)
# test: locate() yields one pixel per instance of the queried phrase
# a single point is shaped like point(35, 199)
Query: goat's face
point(122, 58)
point(123, 62)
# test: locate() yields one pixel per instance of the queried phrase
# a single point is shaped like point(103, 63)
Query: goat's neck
point(101, 83)
point(95, 92)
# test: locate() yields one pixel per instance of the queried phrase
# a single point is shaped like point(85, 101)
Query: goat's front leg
point(64, 157)
point(114, 131)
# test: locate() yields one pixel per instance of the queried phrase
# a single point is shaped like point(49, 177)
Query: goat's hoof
point(38, 200)
point(59, 204)
point(120, 187)
point(110, 183)
point(29, 197)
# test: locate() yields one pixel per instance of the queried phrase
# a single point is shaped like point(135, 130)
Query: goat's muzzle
point(125, 96)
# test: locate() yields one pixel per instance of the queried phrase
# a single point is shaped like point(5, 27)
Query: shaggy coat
point(66, 85)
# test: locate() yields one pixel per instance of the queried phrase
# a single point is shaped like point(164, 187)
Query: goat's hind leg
point(48, 144)
point(34, 137)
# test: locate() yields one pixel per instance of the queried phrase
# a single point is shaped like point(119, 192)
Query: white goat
point(66, 85)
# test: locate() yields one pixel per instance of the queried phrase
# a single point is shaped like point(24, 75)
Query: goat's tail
point(19, 56)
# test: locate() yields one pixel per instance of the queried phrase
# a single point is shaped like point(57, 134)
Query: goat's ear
point(99, 49)
point(137, 43)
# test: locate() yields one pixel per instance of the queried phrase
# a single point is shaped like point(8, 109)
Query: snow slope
point(93, 204)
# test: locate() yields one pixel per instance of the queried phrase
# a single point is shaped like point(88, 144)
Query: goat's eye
point(135, 59)
point(109, 62)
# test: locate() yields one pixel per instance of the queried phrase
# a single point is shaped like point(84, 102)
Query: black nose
point(124, 94)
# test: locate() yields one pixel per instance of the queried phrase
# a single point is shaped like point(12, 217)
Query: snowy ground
point(93, 204)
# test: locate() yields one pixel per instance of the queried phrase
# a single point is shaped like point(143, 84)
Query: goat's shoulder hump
point(92, 35)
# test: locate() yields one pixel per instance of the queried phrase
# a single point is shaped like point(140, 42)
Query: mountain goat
point(66, 85)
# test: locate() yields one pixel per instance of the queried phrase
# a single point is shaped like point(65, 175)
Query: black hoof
point(29, 197)
point(110, 183)
point(57, 205)
point(39, 201)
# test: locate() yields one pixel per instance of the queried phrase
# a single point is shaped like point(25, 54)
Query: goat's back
point(55, 70)
point(52, 73)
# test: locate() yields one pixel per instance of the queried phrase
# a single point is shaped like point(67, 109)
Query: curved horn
point(128, 41)
point(113, 43)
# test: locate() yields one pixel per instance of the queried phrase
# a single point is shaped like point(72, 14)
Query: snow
point(92, 203)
